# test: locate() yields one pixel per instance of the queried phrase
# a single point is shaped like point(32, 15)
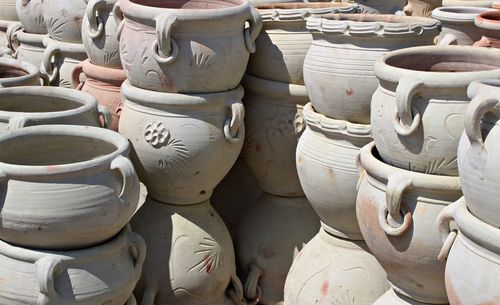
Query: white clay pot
point(15, 73)
point(477, 3)
point(64, 19)
point(30, 13)
point(28, 47)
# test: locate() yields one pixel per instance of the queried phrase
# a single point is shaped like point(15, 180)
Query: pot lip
point(381, 171)
point(25, 37)
point(65, 47)
point(477, 86)
point(300, 11)
point(334, 126)
point(27, 67)
point(477, 3)
point(452, 13)
point(131, 93)
point(487, 20)
point(14, 171)
point(103, 74)
point(377, 25)
point(273, 89)
point(431, 79)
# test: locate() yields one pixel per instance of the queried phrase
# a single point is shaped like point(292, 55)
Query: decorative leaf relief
point(56, 27)
point(201, 60)
point(441, 165)
point(212, 256)
point(111, 56)
point(65, 84)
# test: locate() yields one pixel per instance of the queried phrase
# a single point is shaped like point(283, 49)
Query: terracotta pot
point(338, 69)
point(29, 47)
point(274, 124)
point(473, 262)
point(326, 164)
point(382, 6)
point(418, 110)
point(104, 84)
point(421, 8)
point(190, 256)
point(489, 22)
point(100, 34)
point(458, 24)
point(8, 10)
point(285, 40)
point(60, 59)
point(331, 270)
point(269, 237)
point(478, 3)
point(15, 73)
point(185, 144)
point(30, 13)
point(397, 211)
point(189, 46)
point(64, 19)
point(103, 274)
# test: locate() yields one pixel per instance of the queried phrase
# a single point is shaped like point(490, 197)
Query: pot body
point(269, 237)
point(185, 144)
point(31, 48)
point(331, 270)
point(59, 61)
point(64, 19)
point(30, 15)
point(421, 7)
point(8, 10)
point(326, 164)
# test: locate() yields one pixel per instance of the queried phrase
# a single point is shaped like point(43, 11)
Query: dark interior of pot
point(7, 71)
point(491, 16)
point(299, 5)
point(48, 150)
point(190, 4)
point(31, 103)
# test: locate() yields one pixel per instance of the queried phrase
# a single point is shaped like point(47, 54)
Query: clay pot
point(458, 24)
point(326, 164)
point(418, 109)
point(29, 106)
point(30, 13)
point(105, 274)
point(477, 3)
point(270, 235)
point(29, 47)
point(397, 211)
point(421, 8)
point(190, 256)
point(60, 59)
point(332, 270)
point(188, 46)
point(8, 10)
point(338, 69)
point(100, 34)
point(104, 84)
point(15, 73)
point(473, 263)
point(64, 19)
point(382, 6)
point(274, 124)
point(489, 22)
point(185, 144)
point(285, 40)
point(392, 297)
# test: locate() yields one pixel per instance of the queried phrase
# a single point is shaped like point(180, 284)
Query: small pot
point(64, 19)
point(30, 13)
point(490, 23)
point(14, 73)
point(29, 47)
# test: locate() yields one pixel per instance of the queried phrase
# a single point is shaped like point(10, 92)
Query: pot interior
point(491, 16)
point(189, 4)
point(46, 150)
point(32, 103)
point(7, 71)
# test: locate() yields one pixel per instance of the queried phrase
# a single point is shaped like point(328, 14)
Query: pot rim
point(289, 93)
point(31, 70)
point(299, 11)
point(453, 14)
point(480, 3)
point(478, 86)
point(431, 79)
point(65, 47)
point(487, 20)
point(103, 74)
point(14, 171)
point(376, 25)
point(30, 38)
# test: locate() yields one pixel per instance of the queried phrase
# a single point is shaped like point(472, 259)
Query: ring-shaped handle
point(403, 122)
point(12, 36)
point(165, 59)
point(252, 289)
point(391, 230)
point(402, 130)
point(95, 23)
point(165, 48)
point(394, 211)
point(448, 236)
point(51, 71)
point(252, 31)
point(233, 124)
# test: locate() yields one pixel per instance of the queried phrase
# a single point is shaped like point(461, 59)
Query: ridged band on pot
point(28, 47)
point(60, 59)
point(189, 47)
point(15, 73)
point(473, 256)
point(421, 8)
point(8, 10)
point(397, 211)
point(326, 164)
point(185, 144)
point(417, 112)
point(104, 84)
point(458, 24)
point(284, 41)
point(64, 19)
point(74, 177)
point(274, 124)
point(30, 13)
point(338, 69)
point(103, 274)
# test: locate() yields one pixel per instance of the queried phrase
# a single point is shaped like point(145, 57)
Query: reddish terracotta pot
point(489, 23)
point(104, 84)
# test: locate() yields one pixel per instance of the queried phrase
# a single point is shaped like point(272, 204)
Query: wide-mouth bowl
point(15, 70)
point(458, 13)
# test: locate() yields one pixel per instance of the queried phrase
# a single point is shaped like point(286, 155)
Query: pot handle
point(480, 104)
point(17, 122)
point(448, 39)
point(252, 289)
point(403, 122)
point(443, 222)
point(361, 170)
point(108, 118)
point(119, 19)
point(253, 30)
point(47, 268)
point(12, 36)
point(47, 67)
point(130, 179)
point(390, 217)
point(236, 294)
point(96, 24)
point(232, 125)
point(164, 47)
point(131, 300)
point(75, 77)
point(136, 242)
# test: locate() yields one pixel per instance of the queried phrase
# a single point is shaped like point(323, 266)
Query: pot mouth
point(14, 70)
point(198, 5)
point(104, 74)
point(288, 93)
point(488, 20)
point(293, 11)
point(57, 149)
point(458, 13)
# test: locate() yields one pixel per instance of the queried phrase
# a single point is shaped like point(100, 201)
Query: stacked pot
point(183, 114)
point(409, 174)
point(9, 23)
point(337, 266)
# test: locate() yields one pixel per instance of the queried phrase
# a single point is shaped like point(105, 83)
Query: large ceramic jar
point(284, 39)
point(190, 257)
point(338, 69)
point(30, 13)
point(30, 48)
point(60, 59)
point(489, 22)
point(104, 84)
point(326, 164)
point(417, 113)
point(189, 46)
point(382, 6)
point(185, 144)
point(74, 177)
point(332, 270)
point(100, 34)
point(29, 106)
point(473, 264)
point(8, 10)
point(458, 24)
point(274, 124)
point(421, 8)
point(397, 211)
point(14, 73)
point(105, 274)
point(64, 19)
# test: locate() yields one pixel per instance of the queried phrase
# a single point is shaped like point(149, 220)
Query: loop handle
point(404, 123)
point(448, 236)
point(394, 217)
point(47, 68)
point(165, 49)
point(447, 40)
point(252, 289)
point(233, 124)
point(47, 267)
point(130, 180)
point(96, 24)
point(75, 77)
point(252, 31)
